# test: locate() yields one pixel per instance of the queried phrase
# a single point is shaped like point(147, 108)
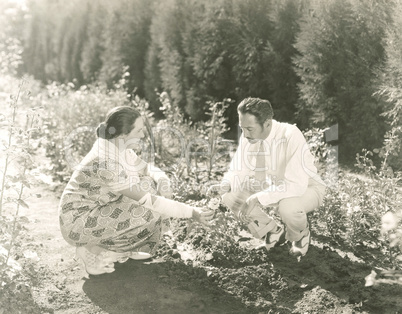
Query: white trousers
point(293, 211)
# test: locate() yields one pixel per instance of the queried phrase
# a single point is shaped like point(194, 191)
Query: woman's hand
point(164, 188)
point(202, 216)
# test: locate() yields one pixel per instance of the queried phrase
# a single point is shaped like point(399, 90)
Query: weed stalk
point(9, 143)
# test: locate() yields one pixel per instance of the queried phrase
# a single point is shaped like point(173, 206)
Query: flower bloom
point(389, 222)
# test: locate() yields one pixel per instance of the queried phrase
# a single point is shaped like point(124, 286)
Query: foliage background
point(320, 63)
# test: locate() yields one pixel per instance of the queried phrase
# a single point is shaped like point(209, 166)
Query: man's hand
point(252, 200)
point(247, 207)
point(164, 188)
point(202, 216)
point(220, 189)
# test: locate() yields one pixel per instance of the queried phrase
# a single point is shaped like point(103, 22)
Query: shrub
point(70, 120)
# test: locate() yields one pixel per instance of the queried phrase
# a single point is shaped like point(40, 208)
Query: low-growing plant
point(355, 202)
point(325, 155)
point(219, 242)
point(352, 211)
point(386, 188)
point(391, 231)
point(389, 187)
point(391, 228)
point(192, 153)
point(219, 149)
point(172, 135)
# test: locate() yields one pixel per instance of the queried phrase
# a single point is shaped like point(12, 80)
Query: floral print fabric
point(92, 212)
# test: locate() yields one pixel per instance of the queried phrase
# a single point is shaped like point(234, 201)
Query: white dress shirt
point(289, 164)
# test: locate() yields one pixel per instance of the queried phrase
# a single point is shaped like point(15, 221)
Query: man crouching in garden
point(272, 167)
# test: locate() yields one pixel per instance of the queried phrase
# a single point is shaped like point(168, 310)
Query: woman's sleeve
point(156, 173)
point(167, 207)
point(138, 165)
point(114, 175)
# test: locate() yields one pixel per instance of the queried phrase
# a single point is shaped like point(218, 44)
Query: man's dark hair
point(260, 108)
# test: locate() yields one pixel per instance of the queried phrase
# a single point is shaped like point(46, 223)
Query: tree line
point(320, 63)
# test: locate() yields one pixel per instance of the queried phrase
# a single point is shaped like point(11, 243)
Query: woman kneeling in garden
point(113, 207)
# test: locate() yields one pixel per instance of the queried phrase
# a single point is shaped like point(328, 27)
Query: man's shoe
point(300, 248)
point(276, 238)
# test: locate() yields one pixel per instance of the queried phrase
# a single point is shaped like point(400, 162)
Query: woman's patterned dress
point(93, 212)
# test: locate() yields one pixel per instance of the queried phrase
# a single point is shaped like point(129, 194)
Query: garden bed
point(188, 276)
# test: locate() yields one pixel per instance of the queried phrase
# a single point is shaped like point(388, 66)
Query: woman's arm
point(163, 184)
point(166, 206)
point(126, 182)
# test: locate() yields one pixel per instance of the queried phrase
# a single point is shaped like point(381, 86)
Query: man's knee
point(309, 201)
point(289, 208)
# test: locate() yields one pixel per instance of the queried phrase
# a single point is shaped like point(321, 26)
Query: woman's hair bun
point(101, 130)
point(118, 121)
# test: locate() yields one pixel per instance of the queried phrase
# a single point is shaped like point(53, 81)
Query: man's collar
point(271, 134)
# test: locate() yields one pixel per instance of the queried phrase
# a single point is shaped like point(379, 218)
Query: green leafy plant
point(217, 244)
point(352, 211)
point(18, 160)
point(355, 201)
point(173, 137)
point(391, 230)
point(213, 130)
point(18, 150)
point(170, 133)
point(70, 119)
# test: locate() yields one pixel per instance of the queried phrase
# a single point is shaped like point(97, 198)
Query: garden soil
point(325, 281)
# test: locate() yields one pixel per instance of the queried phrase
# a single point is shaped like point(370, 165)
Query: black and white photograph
point(200, 156)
